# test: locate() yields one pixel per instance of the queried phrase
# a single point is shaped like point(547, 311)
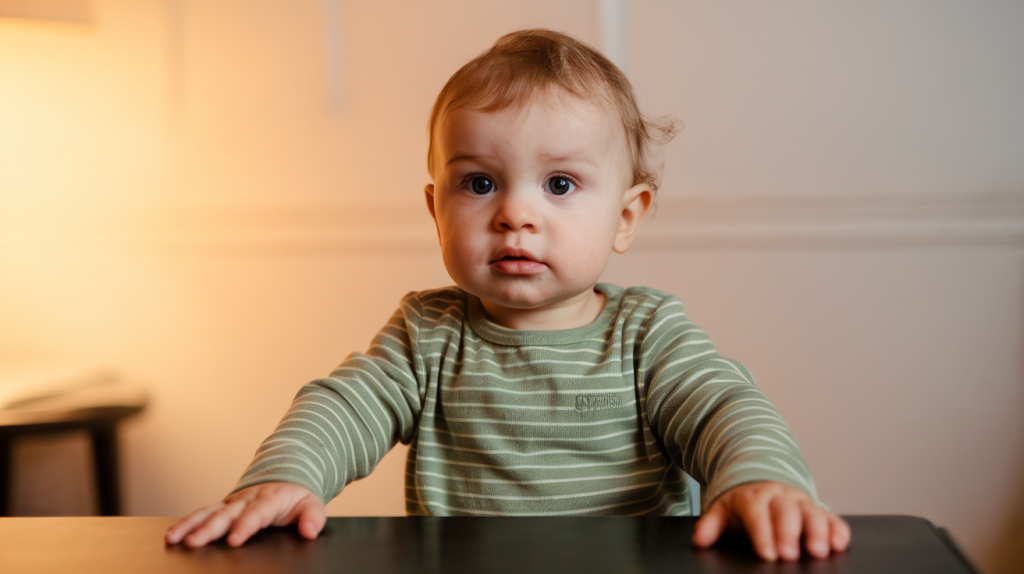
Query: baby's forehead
point(595, 115)
point(550, 96)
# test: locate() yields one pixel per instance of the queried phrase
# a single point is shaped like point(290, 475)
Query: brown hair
point(520, 63)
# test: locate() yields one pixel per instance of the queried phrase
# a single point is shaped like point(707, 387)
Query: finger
point(710, 526)
point(758, 523)
point(259, 514)
point(312, 517)
point(840, 535)
point(816, 529)
point(185, 525)
point(216, 525)
point(787, 522)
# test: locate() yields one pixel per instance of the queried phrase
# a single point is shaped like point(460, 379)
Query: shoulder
point(653, 319)
point(645, 302)
point(435, 305)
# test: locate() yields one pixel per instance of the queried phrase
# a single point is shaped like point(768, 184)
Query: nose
point(516, 212)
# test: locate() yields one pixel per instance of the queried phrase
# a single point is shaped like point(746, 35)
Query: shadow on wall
point(1007, 555)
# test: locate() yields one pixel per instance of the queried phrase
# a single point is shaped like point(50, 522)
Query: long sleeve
point(593, 420)
point(338, 428)
point(706, 411)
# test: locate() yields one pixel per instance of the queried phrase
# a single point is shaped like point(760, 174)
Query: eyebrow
point(461, 157)
point(572, 157)
point(546, 157)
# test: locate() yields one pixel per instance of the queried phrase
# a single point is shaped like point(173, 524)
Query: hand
point(250, 510)
point(774, 515)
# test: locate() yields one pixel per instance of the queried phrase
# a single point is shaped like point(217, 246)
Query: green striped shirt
point(600, 419)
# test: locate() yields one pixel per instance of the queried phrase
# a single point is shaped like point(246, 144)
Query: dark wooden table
point(96, 410)
point(881, 544)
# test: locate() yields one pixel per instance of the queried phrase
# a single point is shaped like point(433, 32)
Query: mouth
point(516, 262)
point(513, 254)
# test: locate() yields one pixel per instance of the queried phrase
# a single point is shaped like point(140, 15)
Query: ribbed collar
point(495, 333)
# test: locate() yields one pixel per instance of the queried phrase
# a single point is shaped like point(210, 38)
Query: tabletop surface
point(85, 545)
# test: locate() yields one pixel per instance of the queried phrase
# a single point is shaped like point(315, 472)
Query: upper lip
point(513, 253)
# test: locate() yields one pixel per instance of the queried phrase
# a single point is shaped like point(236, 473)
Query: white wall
point(844, 213)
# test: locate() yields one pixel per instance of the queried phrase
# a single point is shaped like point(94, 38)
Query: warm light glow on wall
point(80, 109)
point(71, 11)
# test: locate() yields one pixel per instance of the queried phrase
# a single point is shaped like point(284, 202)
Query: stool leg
point(5, 474)
point(104, 451)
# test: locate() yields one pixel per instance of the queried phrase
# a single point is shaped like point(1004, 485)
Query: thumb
point(710, 526)
point(312, 517)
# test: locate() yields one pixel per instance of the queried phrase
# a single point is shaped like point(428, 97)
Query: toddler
point(529, 388)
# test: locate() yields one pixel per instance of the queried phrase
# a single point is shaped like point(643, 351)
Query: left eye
point(560, 185)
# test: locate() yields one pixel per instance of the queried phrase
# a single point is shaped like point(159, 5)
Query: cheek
point(458, 248)
point(590, 239)
point(600, 226)
point(597, 253)
point(461, 226)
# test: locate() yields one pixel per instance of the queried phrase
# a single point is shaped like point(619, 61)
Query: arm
point(336, 431)
point(715, 424)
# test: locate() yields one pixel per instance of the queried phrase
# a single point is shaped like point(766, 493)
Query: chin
point(520, 303)
point(517, 298)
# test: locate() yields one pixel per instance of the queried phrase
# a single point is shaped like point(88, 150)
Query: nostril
point(514, 220)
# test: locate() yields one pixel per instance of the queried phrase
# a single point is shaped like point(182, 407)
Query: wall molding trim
point(837, 221)
point(678, 223)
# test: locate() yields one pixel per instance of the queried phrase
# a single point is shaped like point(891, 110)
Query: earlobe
point(636, 203)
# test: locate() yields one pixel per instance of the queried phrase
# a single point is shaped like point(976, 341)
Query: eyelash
point(468, 180)
point(572, 181)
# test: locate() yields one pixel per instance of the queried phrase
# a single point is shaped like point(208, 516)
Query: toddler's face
point(528, 201)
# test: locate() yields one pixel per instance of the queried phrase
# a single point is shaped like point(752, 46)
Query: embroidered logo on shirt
point(587, 403)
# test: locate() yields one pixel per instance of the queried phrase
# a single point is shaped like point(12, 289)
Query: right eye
point(481, 185)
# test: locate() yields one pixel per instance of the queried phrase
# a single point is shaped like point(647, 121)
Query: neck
point(566, 314)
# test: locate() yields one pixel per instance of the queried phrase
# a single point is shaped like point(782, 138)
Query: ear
point(636, 203)
point(428, 191)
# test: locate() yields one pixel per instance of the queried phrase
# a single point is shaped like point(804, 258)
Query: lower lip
point(518, 266)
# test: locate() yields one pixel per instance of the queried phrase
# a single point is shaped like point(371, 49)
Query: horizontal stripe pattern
point(602, 419)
